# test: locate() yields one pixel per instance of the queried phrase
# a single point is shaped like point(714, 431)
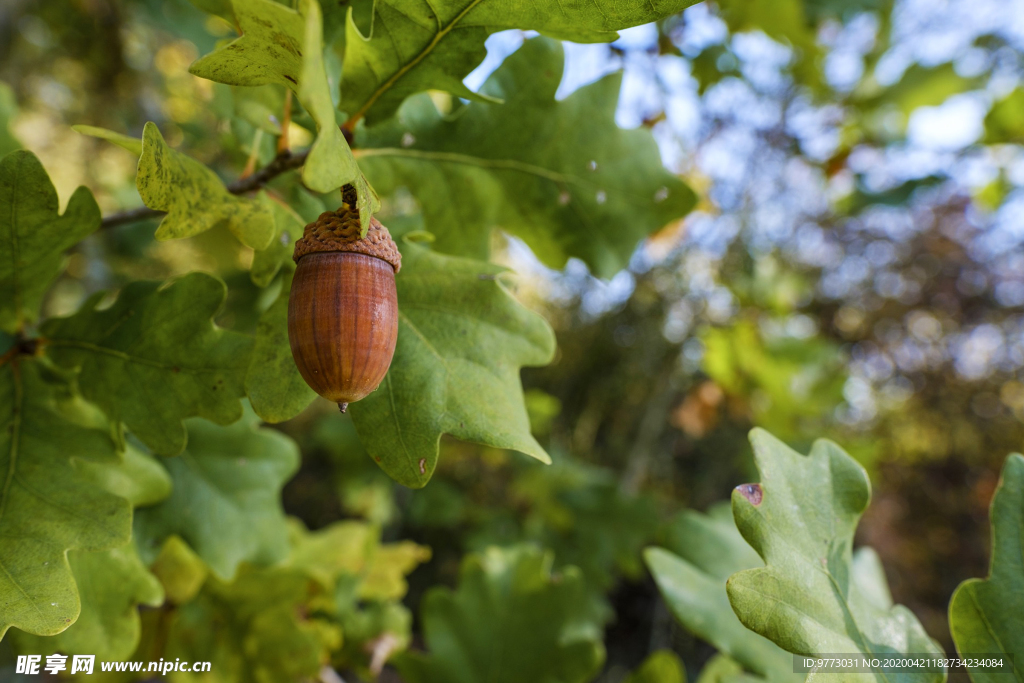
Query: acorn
point(343, 307)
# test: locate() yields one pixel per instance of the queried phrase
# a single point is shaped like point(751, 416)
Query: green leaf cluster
point(136, 468)
point(509, 620)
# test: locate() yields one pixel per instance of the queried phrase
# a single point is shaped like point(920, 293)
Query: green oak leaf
point(419, 45)
point(810, 597)
point(47, 505)
point(461, 341)
point(272, 382)
point(194, 197)
point(112, 583)
point(288, 227)
point(986, 616)
point(34, 236)
point(284, 46)
point(509, 621)
point(662, 666)
point(154, 357)
point(708, 549)
point(560, 175)
point(226, 497)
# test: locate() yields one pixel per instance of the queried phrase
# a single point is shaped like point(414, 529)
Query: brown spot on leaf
point(751, 492)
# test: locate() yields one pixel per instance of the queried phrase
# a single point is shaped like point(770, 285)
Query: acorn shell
point(343, 306)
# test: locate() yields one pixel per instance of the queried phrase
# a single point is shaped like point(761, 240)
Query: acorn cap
point(339, 231)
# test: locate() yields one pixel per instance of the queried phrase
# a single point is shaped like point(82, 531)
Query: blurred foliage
point(854, 268)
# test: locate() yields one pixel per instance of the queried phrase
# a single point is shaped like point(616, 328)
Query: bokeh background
point(854, 270)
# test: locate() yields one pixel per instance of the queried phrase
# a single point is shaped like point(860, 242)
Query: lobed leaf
point(509, 621)
point(48, 506)
point(693, 586)
point(560, 175)
point(461, 341)
point(986, 616)
point(226, 497)
point(155, 357)
point(112, 584)
point(418, 45)
point(34, 236)
point(810, 597)
point(284, 46)
point(194, 197)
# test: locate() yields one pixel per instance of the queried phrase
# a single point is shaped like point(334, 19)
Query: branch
point(282, 163)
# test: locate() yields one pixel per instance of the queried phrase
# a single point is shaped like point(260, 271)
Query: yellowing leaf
point(284, 46)
point(385, 575)
point(509, 621)
point(194, 197)
point(180, 571)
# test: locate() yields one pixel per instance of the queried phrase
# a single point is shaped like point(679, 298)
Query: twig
point(281, 164)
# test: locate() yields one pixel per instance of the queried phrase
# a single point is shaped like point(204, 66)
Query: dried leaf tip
point(751, 492)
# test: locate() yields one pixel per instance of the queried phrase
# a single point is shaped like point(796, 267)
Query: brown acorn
point(343, 307)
